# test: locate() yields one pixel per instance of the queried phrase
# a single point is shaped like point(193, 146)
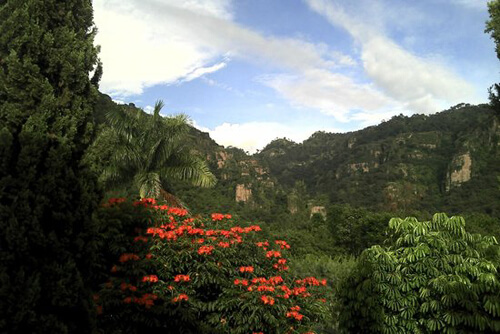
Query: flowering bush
point(201, 275)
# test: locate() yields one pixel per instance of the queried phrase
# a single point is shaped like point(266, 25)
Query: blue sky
point(250, 71)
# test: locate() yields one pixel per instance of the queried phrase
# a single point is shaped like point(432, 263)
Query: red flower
point(282, 244)
point(180, 297)
point(205, 250)
point(182, 278)
point(267, 300)
point(248, 269)
point(275, 280)
point(150, 278)
point(294, 314)
point(270, 254)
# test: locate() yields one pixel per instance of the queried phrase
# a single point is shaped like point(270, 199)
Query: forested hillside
point(445, 162)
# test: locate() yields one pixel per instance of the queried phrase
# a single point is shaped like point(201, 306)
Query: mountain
point(443, 162)
point(446, 162)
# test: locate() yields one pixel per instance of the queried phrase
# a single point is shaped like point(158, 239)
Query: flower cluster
point(180, 297)
point(311, 281)
point(294, 313)
point(205, 250)
point(150, 278)
point(283, 244)
point(267, 300)
point(175, 242)
point(280, 265)
point(220, 216)
point(270, 254)
point(182, 278)
point(146, 299)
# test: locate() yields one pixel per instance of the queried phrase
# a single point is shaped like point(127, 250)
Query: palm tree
point(150, 151)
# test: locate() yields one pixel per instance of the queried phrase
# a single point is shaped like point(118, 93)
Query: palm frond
point(192, 169)
point(121, 123)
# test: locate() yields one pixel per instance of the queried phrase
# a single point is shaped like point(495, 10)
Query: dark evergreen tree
point(47, 195)
point(493, 28)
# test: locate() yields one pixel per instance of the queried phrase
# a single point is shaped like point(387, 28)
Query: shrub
point(206, 275)
point(434, 278)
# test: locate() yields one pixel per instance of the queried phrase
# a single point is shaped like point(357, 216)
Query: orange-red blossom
point(180, 297)
point(150, 278)
point(267, 300)
point(182, 278)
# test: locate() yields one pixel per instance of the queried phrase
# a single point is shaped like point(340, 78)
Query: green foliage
point(493, 24)
point(493, 28)
point(354, 230)
point(336, 270)
point(148, 151)
point(47, 195)
point(433, 278)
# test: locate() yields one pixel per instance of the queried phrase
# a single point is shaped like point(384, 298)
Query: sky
point(250, 71)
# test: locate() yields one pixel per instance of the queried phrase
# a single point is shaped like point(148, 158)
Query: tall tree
point(150, 151)
point(47, 196)
point(493, 28)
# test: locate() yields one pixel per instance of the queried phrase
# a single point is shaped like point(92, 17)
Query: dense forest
point(114, 220)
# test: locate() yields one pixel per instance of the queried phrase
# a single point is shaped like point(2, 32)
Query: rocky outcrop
point(318, 210)
point(460, 171)
point(222, 156)
point(243, 193)
point(361, 166)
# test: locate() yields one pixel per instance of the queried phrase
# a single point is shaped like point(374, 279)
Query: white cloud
point(164, 41)
point(149, 42)
point(331, 93)
point(419, 84)
point(254, 136)
point(200, 71)
point(137, 51)
point(118, 101)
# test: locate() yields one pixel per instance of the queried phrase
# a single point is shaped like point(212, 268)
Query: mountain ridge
point(448, 162)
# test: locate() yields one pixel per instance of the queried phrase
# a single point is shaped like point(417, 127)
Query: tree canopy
point(150, 151)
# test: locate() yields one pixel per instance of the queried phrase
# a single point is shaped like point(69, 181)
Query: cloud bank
point(151, 42)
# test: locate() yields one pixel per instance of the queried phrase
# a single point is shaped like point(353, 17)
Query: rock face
point(222, 156)
point(362, 166)
point(243, 194)
point(460, 171)
point(318, 209)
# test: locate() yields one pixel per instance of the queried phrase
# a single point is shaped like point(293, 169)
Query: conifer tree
point(493, 28)
point(47, 195)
